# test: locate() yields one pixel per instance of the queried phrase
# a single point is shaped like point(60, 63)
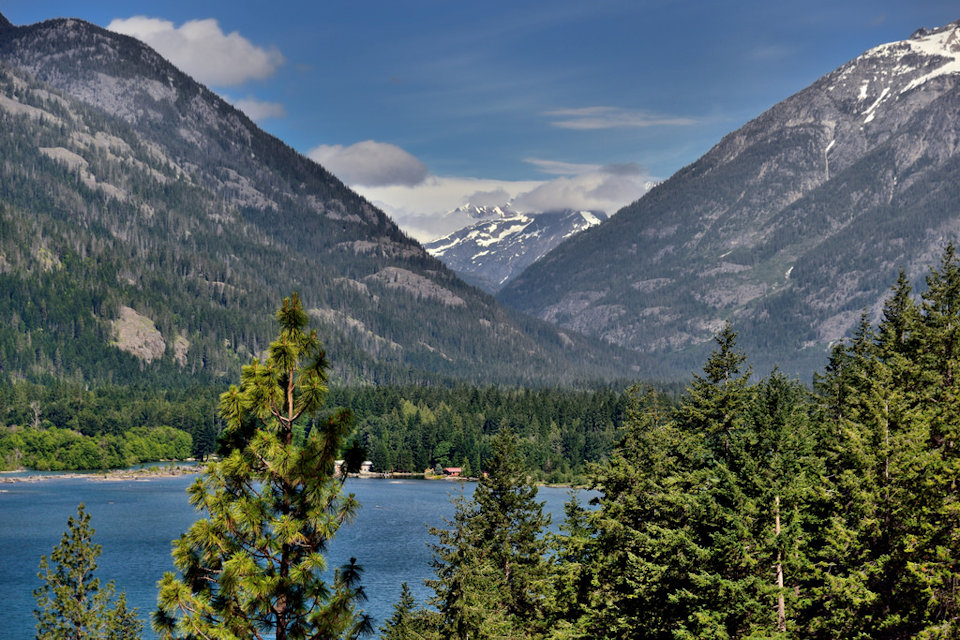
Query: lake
point(136, 520)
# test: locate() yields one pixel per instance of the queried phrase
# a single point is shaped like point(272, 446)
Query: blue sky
point(422, 106)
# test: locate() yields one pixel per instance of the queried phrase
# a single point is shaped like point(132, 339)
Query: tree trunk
point(781, 605)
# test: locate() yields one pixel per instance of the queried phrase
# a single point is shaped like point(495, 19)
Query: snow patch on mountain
point(490, 252)
point(907, 64)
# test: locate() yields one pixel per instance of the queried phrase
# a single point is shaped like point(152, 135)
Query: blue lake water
point(136, 520)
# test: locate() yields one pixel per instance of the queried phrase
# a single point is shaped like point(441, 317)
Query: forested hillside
point(147, 225)
point(749, 509)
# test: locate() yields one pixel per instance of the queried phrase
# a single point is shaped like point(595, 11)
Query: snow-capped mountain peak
point(490, 252)
point(481, 212)
point(891, 70)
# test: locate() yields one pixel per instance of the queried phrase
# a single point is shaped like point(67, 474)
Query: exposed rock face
point(789, 227)
point(138, 335)
point(181, 347)
point(417, 286)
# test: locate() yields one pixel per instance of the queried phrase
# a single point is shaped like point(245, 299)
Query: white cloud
point(370, 164)
point(557, 168)
point(422, 204)
point(423, 210)
point(258, 110)
point(605, 189)
point(611, 118)
point(201, 49)
point(491, 198)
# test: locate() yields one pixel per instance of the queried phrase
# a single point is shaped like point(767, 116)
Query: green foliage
point(755, 510)
point(890, 550)
point(491, 573)
point(405, 621)
point(409, 429)
point(108, 416)
point(71, 605)
point(56, 449)
point(399, 428)
point(254, 566)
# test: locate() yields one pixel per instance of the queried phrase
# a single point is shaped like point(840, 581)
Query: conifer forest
point(735, 508)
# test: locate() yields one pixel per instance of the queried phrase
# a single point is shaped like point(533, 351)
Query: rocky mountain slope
point(489, 253)
point(790, 227)
point(148, 230)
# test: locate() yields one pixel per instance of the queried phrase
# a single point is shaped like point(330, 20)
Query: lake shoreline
point(175, 470)
point(109, 475)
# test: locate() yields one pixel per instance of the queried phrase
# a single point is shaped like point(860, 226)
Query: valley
point(751, 367)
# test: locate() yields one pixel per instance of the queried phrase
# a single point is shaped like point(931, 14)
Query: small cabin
point(452, 472)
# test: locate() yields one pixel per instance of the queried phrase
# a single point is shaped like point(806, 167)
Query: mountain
point(480, 212)
point(790, 227)
point(148, 230)
point(489, 253)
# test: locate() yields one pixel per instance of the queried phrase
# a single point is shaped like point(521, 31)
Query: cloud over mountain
point(586, 118)
point(201, 49)
point(258, 110)
point(371, 164)
point(421, 202)
point(604, 188)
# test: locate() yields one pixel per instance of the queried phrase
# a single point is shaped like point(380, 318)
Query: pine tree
point(492, 578)
point(715, 403)
point(253, 567)
point(403, 624)
point(781, 473)
point(70, 604)
point(572, 558)
point(728, 590)
point(889, 545)
point(639, 554)
point(898, 331)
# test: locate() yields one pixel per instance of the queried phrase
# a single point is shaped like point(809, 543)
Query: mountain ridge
point(788, 227)
point(130, 186)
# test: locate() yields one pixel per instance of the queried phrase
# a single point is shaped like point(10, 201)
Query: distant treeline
point(414, 428)
point(66, 426)
point(400, 428)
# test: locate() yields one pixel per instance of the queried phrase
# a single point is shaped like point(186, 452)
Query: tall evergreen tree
point(640, 554)
point(715, 403)
point(492, 579)
point(697, 526)
point(403, 624)
point(571, 559)
point(253, 568)
point(889, 548)
point(934, 566)
point(729, 591)
point(71, 605)
point(781, 473)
